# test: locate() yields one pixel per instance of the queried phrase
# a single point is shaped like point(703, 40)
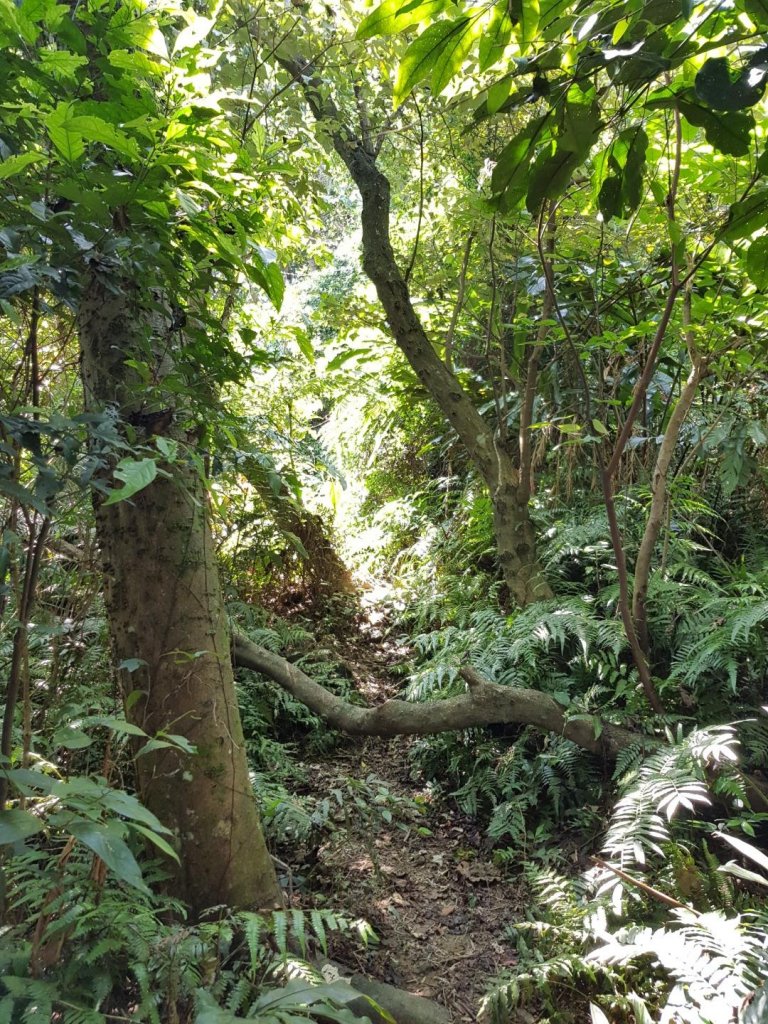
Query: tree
point(106, 195)
point(592, 113)
point(506, 473)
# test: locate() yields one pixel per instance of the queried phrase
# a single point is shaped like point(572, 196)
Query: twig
point(655, 893)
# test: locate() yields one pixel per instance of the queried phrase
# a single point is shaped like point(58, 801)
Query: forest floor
point(424, 880)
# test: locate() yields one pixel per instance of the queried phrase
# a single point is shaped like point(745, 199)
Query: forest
point(383, 511)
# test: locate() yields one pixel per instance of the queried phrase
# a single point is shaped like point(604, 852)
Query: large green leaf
point(609, 198)
point(746, 216)
point(729, 133)
point(550, 175)
point(71, 738)
point(495, 39)
point(581, 125)
point(716, 86)
point(394, 16)
point(16, 825)
point(136, 474)
point(525, 14)
point(452, 55)
point(509, 177)
point(65, 137)
point(96, 129)
point(14, 164)
point(422, 55)
point(105, 839)
point(757, 262)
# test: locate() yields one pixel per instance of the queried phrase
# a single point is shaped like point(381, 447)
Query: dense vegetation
point(432, 330)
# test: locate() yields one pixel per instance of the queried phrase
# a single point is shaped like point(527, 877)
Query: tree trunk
point(521, 571)
point(324, 571)
point(516, 546)
point(165, 609)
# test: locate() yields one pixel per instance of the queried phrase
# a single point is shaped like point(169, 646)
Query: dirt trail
point(424, 881)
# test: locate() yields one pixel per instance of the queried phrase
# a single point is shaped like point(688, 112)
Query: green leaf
point(746, 216)
point(423, 53)
point(137, 62)
point(609, 198)
point(498, 94)
point(757, 262)
point(581, 125)
point(96, 129)
point(13, 164)
point(635, 142)
point(510, 175)
point(728, 133)
point(136, 474)
point(16, 825)
point(393, 16)
point(452, 55)
point(118, 725)
point(715, 86)
point(105, 839)
point(156, 840)
point(194, 33)
point(62, 63)
point(550, 175)
point(305, 345)
point(26, 780)
point(495, 38)
point(525, 14)
point(67, 139)
point(71, 739)
point(128, 806)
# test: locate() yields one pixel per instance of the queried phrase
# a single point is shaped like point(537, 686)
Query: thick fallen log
point(485, 703)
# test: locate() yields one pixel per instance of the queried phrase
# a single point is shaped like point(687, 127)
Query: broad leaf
point(422, 55)
point(194, 33)
point(14, 164)
point(394, 16)
point(16, 825)
point(715, 86)
point(136, 474)
point(550, 175)
point(746, 216)
point(452, 56)
point(65, 137)
point(757, 262)
point(495, 39)
point(105, 839)
point(71, 739)
point(525, 15)
point(728, 133)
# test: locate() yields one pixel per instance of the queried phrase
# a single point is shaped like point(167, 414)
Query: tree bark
point(659, 500)
point(165, 609)
point(324, 571)
point(519, 563)
point(486, 703)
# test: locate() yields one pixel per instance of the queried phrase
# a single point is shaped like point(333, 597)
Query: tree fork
point(517, 539)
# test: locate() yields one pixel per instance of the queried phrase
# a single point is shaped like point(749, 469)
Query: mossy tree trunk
point(167, 620)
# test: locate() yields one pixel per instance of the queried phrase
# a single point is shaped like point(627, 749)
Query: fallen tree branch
point(486, 704)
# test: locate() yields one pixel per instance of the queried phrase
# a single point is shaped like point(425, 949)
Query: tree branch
point(486, 704)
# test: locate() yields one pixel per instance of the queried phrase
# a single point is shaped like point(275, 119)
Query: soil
point(424, 880)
